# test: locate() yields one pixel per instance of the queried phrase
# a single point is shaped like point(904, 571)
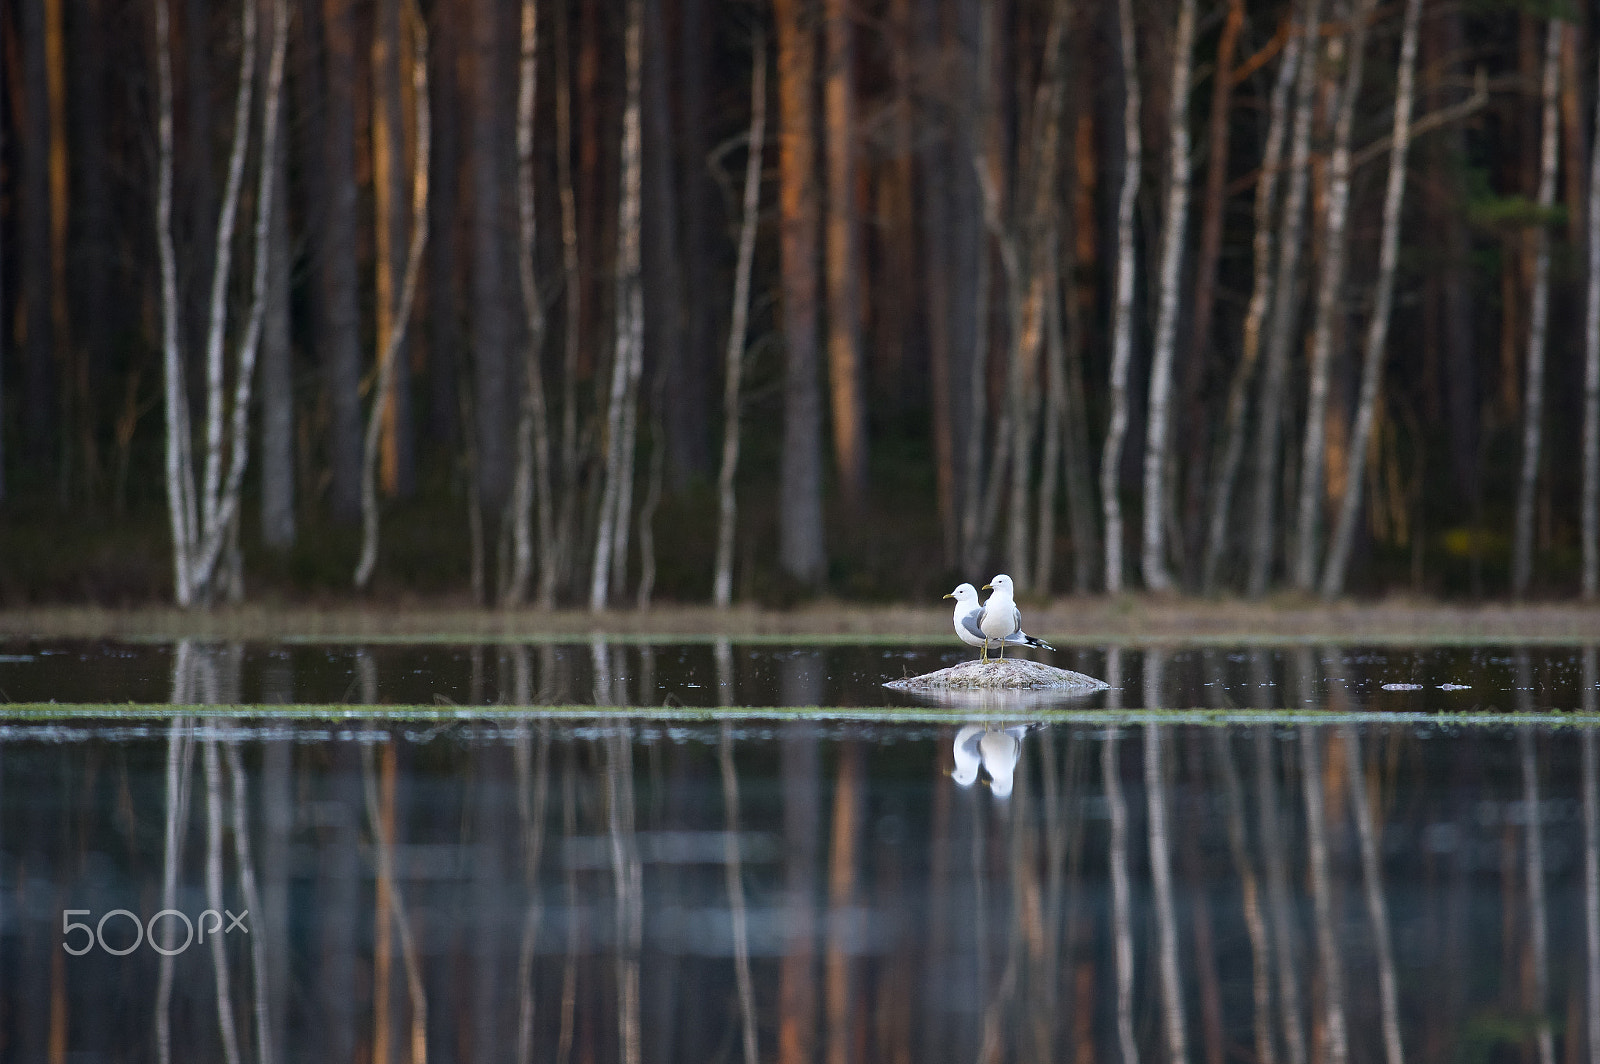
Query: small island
point(1011, 674)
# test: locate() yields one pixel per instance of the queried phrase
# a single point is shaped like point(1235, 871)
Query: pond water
point(726, 851)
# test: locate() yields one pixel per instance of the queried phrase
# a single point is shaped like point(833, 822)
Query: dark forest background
point(1095, 294)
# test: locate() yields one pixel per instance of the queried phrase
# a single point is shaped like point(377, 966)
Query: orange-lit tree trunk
point(389, 188)
point(800, 545)
point(842, 266)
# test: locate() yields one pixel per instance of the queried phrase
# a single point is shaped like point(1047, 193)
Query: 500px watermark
point(209, 923)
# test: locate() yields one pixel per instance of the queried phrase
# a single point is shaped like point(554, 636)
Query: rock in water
point(1010, 674)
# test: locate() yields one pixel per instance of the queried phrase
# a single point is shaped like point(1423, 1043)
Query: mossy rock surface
point(1010, 674)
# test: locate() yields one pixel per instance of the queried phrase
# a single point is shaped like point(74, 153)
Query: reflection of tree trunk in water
point(252, 902)
point(180, 752)
point(628, 875)
point(277, 814)
point(380, 813)
point(937, 946)
point(569, 975)
point(1337, 1046)
point(1121, 904)
point(847, 802)
point(735, 877)
point(1372, 881)
point(1591, 856)
point(800, 771)
point(1250, 897)
point(1155, 783)
point(219, 954)
point(1194, 870)
point(1278, 897)
point(1538, 940)
point(533, 784)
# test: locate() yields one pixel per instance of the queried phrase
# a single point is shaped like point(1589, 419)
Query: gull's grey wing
point(1016, 619)
point(972, 621)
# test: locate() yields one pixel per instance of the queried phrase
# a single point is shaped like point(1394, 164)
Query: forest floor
point(1072, 620)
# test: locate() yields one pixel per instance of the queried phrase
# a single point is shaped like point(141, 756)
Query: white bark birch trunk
point(1590, 504)
point(1285, 305)
point(1156, 577)
point(402, 317)
point(1330, 286)
point(616, 499)
point(532, 477)
point(179, 466)
point(1533, 400)
point(1383, 300)
point(1263, 247)
point(722, 580)
point(1122, 315)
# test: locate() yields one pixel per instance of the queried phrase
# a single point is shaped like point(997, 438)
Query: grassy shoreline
point(1067, 620)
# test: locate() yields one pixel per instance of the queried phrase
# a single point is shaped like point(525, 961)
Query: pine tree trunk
point(277, 377)
point(1539, 312)
point(1154, 564)
point(532, 482)
point(800, 544)
point(1284, 313)
point(1122, 317)
point(1378, 327)
point(494, 387)
point(722, 579)
point(337, 248)
point(616, 508)
point(1329, 290)
point(35, 246)
point(1263, 247)
point(390, 354)
point(1590, 503)
point(397, 463)
point(841, 262)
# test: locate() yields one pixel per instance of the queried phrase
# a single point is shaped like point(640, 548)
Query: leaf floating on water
point(1402, 687)
point(1455, 687)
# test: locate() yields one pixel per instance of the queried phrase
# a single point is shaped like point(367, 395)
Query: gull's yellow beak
point(988, 587)
point(951, 595)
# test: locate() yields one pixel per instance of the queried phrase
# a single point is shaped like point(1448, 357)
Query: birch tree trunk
point(390, 355)
point(722, 580)
point(1122, 315)
point(532, 483)
point(627, 364)
point(277, 378)
point(1329, 289)
point(1263, 247)
point(1539, 312)
point(179, 464)
point(1156, 577)
point(1270, 411)
point(1378, 327)
point(1590, 503)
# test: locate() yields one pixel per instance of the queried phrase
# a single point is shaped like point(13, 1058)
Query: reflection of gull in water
point(967, 754)
point(995, 750)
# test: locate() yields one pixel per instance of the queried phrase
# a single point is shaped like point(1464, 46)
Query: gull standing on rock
point(1001, 622)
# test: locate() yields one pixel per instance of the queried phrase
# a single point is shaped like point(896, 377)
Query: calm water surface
point(502, 869)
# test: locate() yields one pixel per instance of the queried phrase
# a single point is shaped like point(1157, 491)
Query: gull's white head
point(963, 594)
point(1001, 584)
